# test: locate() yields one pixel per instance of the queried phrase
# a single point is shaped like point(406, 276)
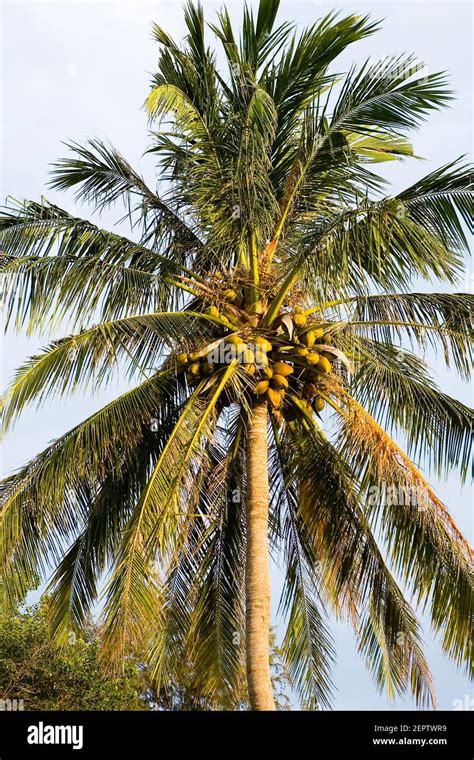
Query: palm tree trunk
point(257, 569)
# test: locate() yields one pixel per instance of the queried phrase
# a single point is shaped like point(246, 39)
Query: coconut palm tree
point(264, 306)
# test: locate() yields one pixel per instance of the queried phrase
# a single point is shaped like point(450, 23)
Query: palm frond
point(442, 201)
point(395, 386)
point(426, 546)
point(389, 95)
point(308, 647)
point(105, 176)
point(353, 573)
point(153, 533)
point(378, 147)
point(95, 354)
point(218, 618)
point(45, 503)
point(298, 77)
point(56, 266)
point(376, 243)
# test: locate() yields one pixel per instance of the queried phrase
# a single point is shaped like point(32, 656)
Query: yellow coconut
point(279, 382)
point(250, 368)
point(324, 365)
point(281, 368)
point(263, 343)
point(235, 339)
point(230, 294)
point(313, 358)
point(309, 338)
point(181, 358)
point(319, 404)
point(300, 320)
point(267, 372)
point(195, 369)
point(301, 351)
point(207, 368)
point(274, 397)
point(212, 311)
point(261, 387)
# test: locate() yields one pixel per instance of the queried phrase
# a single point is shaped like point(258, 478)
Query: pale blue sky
point(72, 71)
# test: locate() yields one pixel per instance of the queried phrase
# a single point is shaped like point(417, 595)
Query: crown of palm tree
point(267, 270)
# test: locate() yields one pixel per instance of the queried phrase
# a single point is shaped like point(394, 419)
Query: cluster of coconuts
point(236, 297)
point(277, 368)
point(304, 340)
point(196, 367)
point(274, 383)
point(213, 311)
point(297, 364)
point(249, 354)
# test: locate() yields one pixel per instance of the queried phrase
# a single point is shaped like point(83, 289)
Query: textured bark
point(257, 569)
